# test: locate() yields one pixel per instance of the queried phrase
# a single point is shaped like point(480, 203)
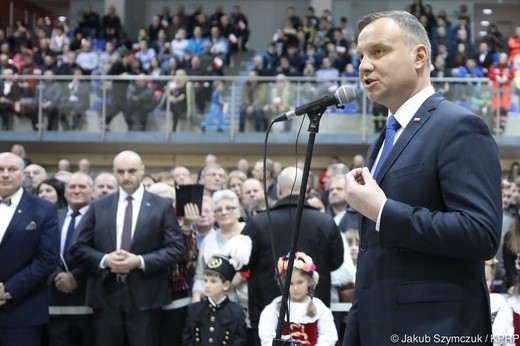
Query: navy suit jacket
point(157, 238)
point(29, 252)
point(422, 273)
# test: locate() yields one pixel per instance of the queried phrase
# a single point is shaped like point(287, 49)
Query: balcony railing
point(106, 106)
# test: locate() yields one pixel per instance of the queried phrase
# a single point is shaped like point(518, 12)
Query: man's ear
point(421, 56)
point(279, 191)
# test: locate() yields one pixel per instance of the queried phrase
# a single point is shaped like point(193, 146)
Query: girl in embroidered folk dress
point(311, 322)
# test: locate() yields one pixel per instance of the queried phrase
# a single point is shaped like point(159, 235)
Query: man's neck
point(203, 231)
point(338, 208)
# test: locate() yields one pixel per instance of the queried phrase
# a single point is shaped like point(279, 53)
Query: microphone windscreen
point(346, 94)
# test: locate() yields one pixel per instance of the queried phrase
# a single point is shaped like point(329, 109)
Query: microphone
point(344, 94)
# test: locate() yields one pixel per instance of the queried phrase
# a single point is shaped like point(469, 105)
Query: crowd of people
point(232, 206)
point(316, 46)
point(201, 44)
point(121, 267)
point(100, 283)
point(174, 44)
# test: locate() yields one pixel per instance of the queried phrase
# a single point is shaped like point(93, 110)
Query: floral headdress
point(301, 262)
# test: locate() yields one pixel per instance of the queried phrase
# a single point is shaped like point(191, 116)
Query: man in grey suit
point(127, 241)
point(71, 321)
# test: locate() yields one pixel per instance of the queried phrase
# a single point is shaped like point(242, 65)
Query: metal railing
point(356, 119)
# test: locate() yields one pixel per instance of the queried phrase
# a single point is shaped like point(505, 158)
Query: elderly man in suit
point(71, 321)
point(29, 252)
point(127, 241)
point(430, 199)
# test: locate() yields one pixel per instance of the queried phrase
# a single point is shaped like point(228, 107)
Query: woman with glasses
point(226, 207)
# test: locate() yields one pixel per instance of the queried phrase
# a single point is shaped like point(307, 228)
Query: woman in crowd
point(53, 190)
point(226, 207)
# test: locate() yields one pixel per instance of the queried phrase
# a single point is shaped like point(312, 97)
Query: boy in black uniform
point(216, 320)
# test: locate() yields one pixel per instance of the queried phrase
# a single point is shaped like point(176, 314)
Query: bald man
point(37, 174)
point(127, 241)
point(104, 184)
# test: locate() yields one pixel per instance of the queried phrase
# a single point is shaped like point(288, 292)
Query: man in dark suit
point(10, 92)
point(71, 321)
point(319, 238)
point(344, 215)
point(29, 252)
point(127, 241)
point(484, 57)
point(430, 199)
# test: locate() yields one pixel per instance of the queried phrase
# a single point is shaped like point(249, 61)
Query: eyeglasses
point(228, 208)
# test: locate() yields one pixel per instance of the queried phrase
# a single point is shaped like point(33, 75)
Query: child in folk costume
point(217, 320)
point(501, 312)
point(311, 322)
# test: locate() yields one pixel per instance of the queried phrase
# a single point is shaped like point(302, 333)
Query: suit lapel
point(143, 217)
point(62, 214)
point(418, 120)
point(112, 219)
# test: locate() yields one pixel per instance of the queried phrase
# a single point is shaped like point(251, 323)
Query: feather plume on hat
point(238, 249)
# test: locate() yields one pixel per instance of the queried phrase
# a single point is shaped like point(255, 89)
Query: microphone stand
point(313, 129)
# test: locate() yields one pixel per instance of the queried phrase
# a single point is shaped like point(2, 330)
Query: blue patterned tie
point(391, 129)
point(70, 230)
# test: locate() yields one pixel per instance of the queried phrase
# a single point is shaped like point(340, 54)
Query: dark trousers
point(71, 330)
point(121, 323)
point(137, 119)
point(52, 116)
point(252, 337)
point(5, 114)
point(114, 108)
point(258, 118)
point(22, 336)
point(172, 325)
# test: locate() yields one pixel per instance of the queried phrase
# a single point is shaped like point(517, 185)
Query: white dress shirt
point(121, 207)
point(120, 217)
point(403, 116)
point(66, 223)
point(7, 212)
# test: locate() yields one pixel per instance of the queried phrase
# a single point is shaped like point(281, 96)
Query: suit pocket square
point(31, 226)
